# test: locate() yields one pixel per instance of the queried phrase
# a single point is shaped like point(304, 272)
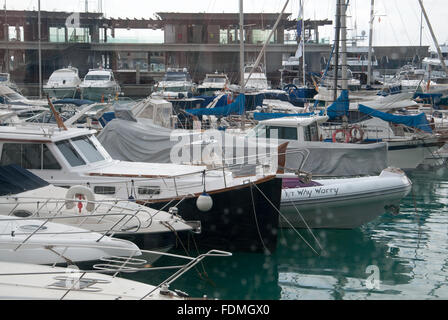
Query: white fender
point(86, 192)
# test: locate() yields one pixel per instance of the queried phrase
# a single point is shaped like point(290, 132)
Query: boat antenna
point(59, 121)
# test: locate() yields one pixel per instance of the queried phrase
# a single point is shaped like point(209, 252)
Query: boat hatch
point(33, 228)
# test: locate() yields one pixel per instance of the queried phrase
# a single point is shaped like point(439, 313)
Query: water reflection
point(409, 249)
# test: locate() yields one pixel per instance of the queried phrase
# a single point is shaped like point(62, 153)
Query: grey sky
point(397, 21)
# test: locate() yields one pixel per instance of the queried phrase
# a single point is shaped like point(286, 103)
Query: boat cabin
point(301, 129)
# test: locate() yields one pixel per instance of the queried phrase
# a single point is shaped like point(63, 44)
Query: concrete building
point(202, 42)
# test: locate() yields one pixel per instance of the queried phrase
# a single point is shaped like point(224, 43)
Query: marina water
point(406, 253)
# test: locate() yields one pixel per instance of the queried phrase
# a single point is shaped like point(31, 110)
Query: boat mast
point(369, 63)
point(344, 74)
point(241, 47)
point(257, 62)
point(336, 49)
point(439, 51)
point(303, 44)
point(6, 32)
point(39, 49)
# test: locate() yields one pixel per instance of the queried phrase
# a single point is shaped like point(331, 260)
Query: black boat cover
point(14, 179)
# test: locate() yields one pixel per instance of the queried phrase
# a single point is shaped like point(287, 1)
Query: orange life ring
point(229, 99)
point(346, 134)
point(354, 132)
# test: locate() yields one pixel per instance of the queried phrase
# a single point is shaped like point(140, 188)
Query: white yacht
point(63, 83)
point(75, 157)
point(39, 241)
point(5, 79)
point(213, 83)
point(99, 85)
point(24, 195)
point(258, 80)
point(176, 83)
point(23, 281)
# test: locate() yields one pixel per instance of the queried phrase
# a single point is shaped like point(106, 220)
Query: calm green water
point(410, 251)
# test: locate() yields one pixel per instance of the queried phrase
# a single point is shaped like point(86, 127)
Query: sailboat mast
point(39, 49)
point(344, 75)
point(369, 62)
point(303, 44)
point(336, 48)
point(241, 46)
point(439, 51)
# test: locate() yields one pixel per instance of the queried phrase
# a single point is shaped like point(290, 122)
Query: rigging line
point(278, 211)
point(306, 224)
point(256, 220)
point(402, 21)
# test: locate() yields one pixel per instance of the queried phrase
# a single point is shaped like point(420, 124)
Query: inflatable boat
point(344, 203)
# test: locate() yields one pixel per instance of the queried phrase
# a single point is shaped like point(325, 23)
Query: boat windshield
point(97, 77)
point(3, 78)
point(79, 150)
point(88, 149)
point(259, 131)
point(215, 80)
point(9, 97)
point(176, 76)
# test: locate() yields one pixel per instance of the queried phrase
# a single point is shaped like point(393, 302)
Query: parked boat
point(63, 83)
point(75, 157)
point(341, 203)
point(15, 101)
point(24, 195)
point(39, 241)
point(5, 79)
point(20, 281)
point(176, 83)
point(213, 83)
point(99, 85)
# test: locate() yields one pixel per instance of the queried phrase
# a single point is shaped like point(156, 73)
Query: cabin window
point(70, 154)
point(104, 190)
point(49, 162)
point(311, 132)
point(29, 156)
point(149, 190)
point(88, 149)
point(286, 133)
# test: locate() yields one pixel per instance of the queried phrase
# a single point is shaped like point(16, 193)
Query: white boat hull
point(343, 203)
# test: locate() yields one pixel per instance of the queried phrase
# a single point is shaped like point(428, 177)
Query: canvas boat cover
point(415, 121)
point(142, 141)
point(15, 179)
point(330, 159)
point(260, 116)
point(237, 107)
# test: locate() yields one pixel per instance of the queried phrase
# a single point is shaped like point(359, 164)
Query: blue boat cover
point(339, 107)
point(15, 179)
point(237, 107)
point(76, 102)
point(418, 121)
point(259, 116)
point(207, 99)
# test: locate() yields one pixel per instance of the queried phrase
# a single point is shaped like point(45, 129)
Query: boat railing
point(371, 132)
point(74, 279)
point(112, 212)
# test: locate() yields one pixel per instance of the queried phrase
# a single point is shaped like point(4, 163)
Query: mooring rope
point(295, 230)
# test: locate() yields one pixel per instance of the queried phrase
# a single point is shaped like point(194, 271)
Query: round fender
point(80, 190)
point(346, 134)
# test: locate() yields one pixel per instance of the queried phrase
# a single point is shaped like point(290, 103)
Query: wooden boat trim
point(241, 186)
